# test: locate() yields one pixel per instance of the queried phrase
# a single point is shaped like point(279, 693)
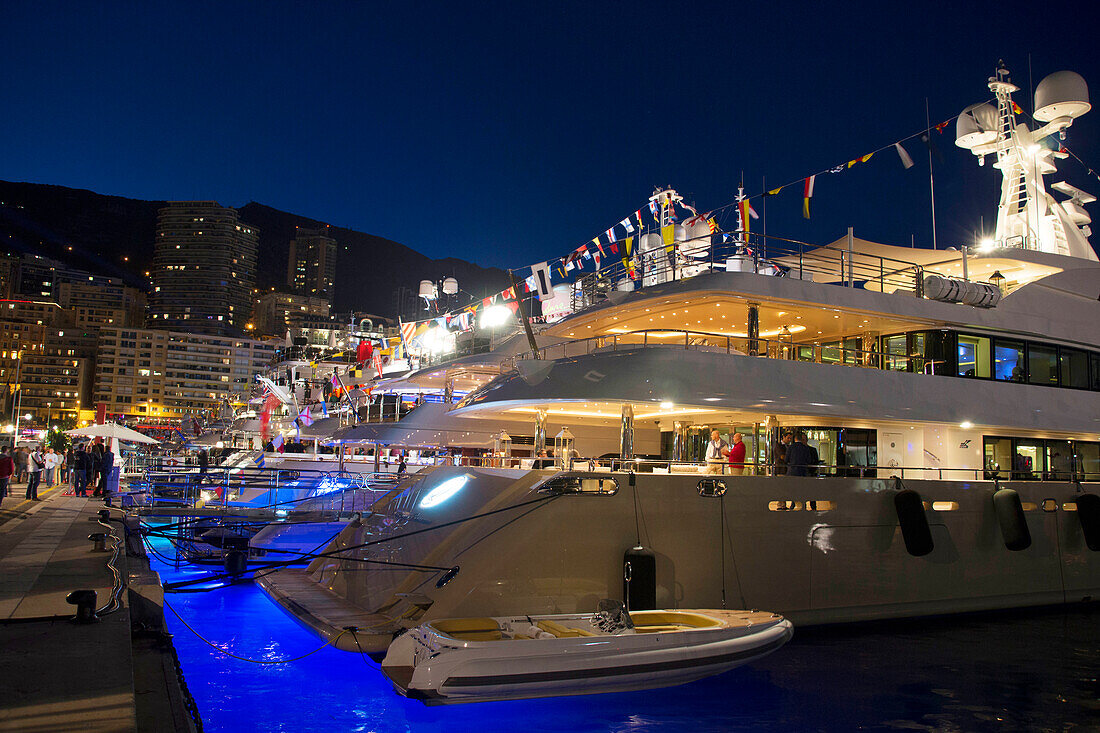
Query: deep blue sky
point(508, 133)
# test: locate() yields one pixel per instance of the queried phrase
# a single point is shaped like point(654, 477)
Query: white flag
point(906, 161)
point(625, 224)
point(541, 273)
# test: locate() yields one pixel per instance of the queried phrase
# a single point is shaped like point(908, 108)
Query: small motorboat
point(459, 660)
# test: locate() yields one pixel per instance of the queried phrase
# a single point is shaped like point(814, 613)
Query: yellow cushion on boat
point(656, 629)
point(644, 619)
point(562, 632)
point(469, 629)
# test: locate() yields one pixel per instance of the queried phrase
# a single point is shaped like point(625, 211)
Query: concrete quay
point(116, 674)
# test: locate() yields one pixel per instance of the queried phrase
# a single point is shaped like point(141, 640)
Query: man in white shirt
point(35, 463)
point(717, 451)
point(53, 460)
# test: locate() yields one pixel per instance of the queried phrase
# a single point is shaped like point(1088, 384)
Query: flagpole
point(764, 214)
point(931, 182)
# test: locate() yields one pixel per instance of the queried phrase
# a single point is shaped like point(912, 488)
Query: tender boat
point(460, 660)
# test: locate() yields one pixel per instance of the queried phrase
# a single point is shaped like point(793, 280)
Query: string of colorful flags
point(617, 242)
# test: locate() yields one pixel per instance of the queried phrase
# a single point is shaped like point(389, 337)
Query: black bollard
point(236, 562)
point(100, 540)
point(84, 600)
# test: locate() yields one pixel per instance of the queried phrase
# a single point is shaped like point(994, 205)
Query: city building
point(46, 361)
point(275, 312)
point(167, 375)
point(204, 269)
point(311, 267)
point(102, 302)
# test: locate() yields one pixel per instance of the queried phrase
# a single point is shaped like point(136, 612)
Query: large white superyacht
point(952, 398)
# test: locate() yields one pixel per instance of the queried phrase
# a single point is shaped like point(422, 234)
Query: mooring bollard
point(100, 540)
point(84, 600)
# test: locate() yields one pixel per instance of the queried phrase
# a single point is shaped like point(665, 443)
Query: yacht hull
point(816, 550)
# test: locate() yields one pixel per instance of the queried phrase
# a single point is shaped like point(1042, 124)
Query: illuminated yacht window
point(973, 356)
point(1042, 364)
point(1008, 361)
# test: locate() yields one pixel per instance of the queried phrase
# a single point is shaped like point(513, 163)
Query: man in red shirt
point(7, 468)
point(737, 455)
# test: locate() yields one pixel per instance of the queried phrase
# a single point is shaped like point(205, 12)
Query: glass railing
point(753, 253)
point(714, 342)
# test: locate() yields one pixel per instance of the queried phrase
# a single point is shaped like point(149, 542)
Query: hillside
point(95, 232)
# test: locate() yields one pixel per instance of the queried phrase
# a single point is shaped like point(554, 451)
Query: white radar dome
point(1062, 94)
point(450, 286)
point(977, 125)
point(427, 289)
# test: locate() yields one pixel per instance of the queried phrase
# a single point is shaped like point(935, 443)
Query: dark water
point(1031, 670)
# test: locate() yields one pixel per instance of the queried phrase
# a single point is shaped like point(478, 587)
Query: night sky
point(510, 133)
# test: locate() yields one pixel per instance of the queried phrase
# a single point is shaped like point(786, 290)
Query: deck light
point(666, 405)
point(966, 425)
point(443, 491)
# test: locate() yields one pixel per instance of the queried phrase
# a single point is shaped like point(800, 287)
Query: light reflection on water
point(1027, 670)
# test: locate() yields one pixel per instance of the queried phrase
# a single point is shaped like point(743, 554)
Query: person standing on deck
point(97, 464)
point(737, 455)
point(82, 466)
point(781, 454)
point(7, 468)
point(67, 466)
point(35, 463)
point(52, 462)
point(105, 469)
point(717, 450)
point(802, 459)
point(20, 458)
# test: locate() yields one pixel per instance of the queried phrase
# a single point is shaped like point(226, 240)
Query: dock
point(116, 674)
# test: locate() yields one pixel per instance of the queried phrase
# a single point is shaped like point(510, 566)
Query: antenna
point(931, 183)
point(1028, 216)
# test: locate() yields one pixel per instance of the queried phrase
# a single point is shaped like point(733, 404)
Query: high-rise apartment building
point(167, 375)
point(275, 312)
point(311, 267)
point(45, 361)
point(204, 269)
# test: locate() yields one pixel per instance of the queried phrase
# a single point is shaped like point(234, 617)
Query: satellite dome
point(427, 289)
point(1062, 94)
point(450, 286)
point(977, 125)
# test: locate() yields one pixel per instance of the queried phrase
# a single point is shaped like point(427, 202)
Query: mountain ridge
point(93, 231)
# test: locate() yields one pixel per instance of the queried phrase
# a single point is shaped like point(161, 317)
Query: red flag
point(1016, 108)
point(509, 294)
point(486, 302)
point(807, 194)
point(940, 127)
point(363, 351)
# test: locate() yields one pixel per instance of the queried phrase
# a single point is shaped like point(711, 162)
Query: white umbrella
point(115, 432)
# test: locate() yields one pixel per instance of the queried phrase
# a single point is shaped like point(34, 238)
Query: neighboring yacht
point(952, 398)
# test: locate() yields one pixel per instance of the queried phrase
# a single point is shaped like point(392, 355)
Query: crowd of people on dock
point(86, 468)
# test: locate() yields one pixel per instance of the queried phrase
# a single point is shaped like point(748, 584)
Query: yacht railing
point(819, 470)
point(781, 348)
point(755, 253)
